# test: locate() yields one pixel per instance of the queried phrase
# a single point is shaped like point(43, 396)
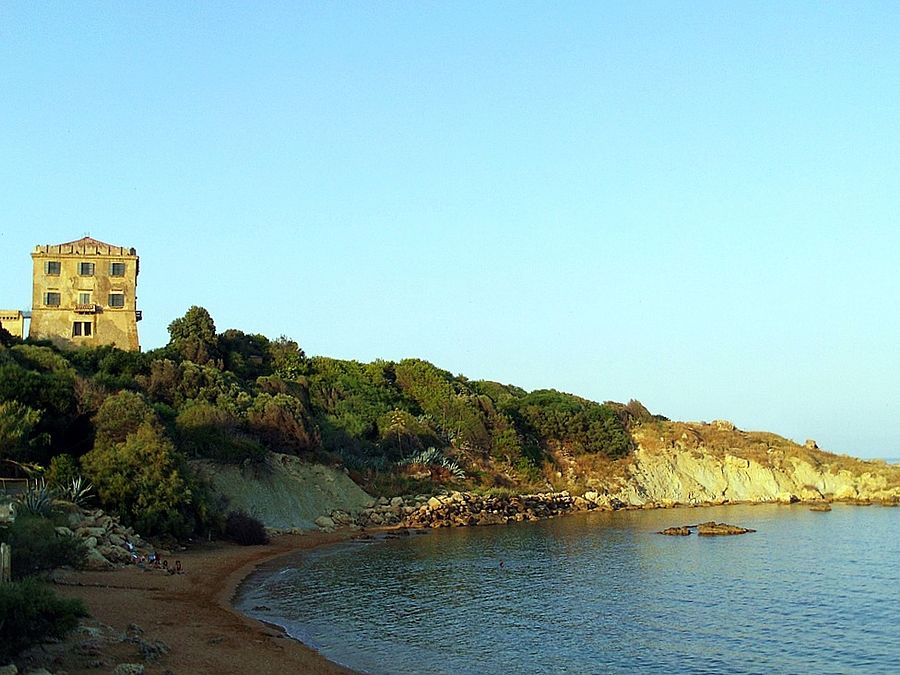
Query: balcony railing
point(89, 308)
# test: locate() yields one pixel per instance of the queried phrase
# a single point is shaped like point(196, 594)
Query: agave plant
point(432, 457)
point(78, 491)
point(38, 498)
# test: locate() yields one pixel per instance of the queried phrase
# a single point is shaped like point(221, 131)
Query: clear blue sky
point(693, 204)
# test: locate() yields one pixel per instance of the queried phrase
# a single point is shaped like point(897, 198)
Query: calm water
point(601, 592)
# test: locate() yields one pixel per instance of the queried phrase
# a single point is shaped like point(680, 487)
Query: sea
point(603, 593)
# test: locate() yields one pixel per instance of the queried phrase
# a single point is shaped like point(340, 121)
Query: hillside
point(172, 439)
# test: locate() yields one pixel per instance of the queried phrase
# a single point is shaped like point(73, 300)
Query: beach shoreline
point(191, 615)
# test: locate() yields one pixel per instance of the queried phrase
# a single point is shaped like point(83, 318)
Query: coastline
point(191, 614)
point(194, 614)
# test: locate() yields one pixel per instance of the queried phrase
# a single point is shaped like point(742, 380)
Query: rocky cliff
point(697, 463)
point(675, 463)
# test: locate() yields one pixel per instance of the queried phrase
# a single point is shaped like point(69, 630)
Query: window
point(116, 299)
point(81, 329)
point(117, 269)
point(51, 299)
point(86, 269)
point(51, 267)
point(84, 298)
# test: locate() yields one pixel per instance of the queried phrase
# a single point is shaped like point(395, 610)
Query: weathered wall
point(13, 321)
point(109, 325)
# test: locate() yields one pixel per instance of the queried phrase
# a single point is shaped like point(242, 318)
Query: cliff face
point(697, 463)
point(696, 477)
point(284, 492)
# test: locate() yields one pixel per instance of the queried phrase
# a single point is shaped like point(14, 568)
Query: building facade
point(84, 293)
point(13, 320)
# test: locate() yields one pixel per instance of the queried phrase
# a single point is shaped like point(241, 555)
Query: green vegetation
point(132, 422)
point(245, 530)
point(30, 613)
point(36, 547)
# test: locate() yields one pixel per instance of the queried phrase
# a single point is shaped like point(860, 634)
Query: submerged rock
point(820, 507)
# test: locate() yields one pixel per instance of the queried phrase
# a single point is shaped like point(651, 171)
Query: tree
point(137, 470)
point(17, 426)
point(194, 336)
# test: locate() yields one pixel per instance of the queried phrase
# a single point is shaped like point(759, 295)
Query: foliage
point(30, 613)
point(41, 380)
point(582, 425)
point(287, 359)
point(205, 430)
point(36, 547)
point(17, 430)
point(137, 471)
point(432, 458)
point(37, 499)
point(283, 422)
point(132, 419)
point(77, 491)
point(62, 471)
point(457, 410)
point(245, 530)
point(194, 337)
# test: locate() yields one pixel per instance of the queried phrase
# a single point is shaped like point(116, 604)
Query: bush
point(207, 431)
point(30, 613)
point(245, 530)
point(142, 479)
point(62, 471)
point(37, 548)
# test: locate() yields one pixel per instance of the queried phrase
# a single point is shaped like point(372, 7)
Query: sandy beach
point(190, 613)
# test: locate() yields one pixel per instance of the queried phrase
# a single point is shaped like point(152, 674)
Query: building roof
point(84, 246)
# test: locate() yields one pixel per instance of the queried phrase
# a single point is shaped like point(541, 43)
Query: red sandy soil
point(190, 613)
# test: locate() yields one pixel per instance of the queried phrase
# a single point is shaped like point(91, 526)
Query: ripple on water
point(604, 593)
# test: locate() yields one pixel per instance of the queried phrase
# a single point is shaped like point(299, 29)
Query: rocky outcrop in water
point(708, 529)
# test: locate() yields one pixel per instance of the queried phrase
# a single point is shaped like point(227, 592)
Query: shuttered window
point(116, 299)
point(52, 268)
point(86, 269)
point(51, 299)
point(117, 269)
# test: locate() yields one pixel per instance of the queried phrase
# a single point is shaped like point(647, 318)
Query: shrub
point(207, 431)
point(30, 613)
point(62, 470)
point(245, 530)
point(143, 480)
point(36, 547)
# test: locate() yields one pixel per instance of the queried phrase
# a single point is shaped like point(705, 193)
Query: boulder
point(820, 507)
point(94, 560)
point(325, 522)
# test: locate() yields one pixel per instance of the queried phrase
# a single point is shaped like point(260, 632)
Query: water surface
point(602, 592)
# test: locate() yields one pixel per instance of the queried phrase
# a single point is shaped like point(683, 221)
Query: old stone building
point(13, 320)
point(85, 293)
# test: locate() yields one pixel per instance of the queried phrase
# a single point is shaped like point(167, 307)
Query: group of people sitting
point(154, 562)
